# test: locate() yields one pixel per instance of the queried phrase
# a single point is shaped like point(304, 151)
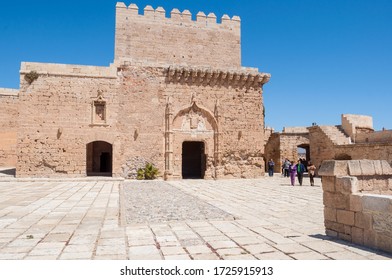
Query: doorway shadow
point(7, 172)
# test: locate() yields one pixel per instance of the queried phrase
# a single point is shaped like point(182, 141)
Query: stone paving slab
point(70, 219)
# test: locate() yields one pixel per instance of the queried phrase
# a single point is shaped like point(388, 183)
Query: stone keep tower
point(177, 40)
point(176, 96)
point(213, 105)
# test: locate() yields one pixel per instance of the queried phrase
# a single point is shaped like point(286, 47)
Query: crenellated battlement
point(179, 39)
point(176, 16)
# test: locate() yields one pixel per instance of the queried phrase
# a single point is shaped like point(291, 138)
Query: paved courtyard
point(203, 220)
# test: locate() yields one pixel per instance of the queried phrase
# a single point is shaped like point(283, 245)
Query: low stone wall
point(358, 201)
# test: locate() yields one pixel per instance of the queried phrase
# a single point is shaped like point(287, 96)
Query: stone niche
point(357, 198)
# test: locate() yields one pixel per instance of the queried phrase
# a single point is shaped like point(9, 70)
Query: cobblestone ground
point(235, 219)
point(143, 204)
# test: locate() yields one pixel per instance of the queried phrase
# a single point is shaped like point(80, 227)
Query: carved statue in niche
point(99, 112)
point(99, 109)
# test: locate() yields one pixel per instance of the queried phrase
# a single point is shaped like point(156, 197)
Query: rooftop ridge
point(176, 15)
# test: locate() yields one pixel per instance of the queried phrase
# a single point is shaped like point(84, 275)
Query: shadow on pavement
point(352, 245)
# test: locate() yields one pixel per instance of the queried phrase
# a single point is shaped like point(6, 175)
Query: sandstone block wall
point(357, 199)
point(8, 126)
point(355, 124)
point(372, 151)
point(174, 80)
point(178, 39)
point(384, 136)
point(56, 117)
point(285, 145)
point(321, 146)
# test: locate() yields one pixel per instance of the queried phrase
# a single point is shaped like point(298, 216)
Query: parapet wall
point(178, 39)
point(56, 69)
point(384, 136)
point(295, 130)
point(354, 124)
point(358, 202)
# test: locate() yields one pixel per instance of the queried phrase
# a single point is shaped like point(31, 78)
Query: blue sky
point(326, 57)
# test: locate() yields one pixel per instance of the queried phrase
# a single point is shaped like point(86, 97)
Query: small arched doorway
point(193, 160)
point(342, 157)
point(304, 154)
point(99, 160)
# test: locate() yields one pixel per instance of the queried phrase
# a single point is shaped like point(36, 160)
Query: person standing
point(271, 165)
point(293, 172)
point(300, 171)
point(312, 172)
point(286, 166)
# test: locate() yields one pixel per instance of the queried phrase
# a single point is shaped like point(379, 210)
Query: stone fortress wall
point(8, 122)
point(178, 39)
point(356, 124)
point(55, 117)
point(147, 104)
point(285, 145)
point(355, 138)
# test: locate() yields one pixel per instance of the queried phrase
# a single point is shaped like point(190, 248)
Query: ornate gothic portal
point(192, 142)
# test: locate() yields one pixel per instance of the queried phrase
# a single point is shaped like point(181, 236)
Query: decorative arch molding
point(191, 123)
point(195, 108)
point(106, 137)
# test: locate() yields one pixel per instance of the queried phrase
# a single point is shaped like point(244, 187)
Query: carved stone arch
point(193, 123)
point(195, 107)
point(106, 137)
point(99, 158)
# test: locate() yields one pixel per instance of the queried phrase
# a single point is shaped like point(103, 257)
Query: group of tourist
point(292, 170)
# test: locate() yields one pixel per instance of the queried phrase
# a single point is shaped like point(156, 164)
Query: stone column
point(168, 139)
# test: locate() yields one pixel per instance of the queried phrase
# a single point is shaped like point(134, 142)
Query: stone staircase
point(336, 135)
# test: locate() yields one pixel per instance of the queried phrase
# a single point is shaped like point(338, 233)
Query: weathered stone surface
point(376, 203)
point(354, 168)
point(346, 185)
point(336, 200)
point(330, 214)
point(8, 126)
point(386, 168)
point(367, 167)
point(368, 218)
point(363, 220)
point(329, 184)
point(356, 203)
point(333, 168)
point(345, 217)
point(357, 235)
point(382, 223)
point(160, 92)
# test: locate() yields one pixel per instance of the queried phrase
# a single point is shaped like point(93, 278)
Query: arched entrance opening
point(193, 160)
point(304, 154)
point(99, 160)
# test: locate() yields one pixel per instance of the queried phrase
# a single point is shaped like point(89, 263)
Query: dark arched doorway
point(343, 157)
point(99, 159)
point(304, 154)
point(193, 160)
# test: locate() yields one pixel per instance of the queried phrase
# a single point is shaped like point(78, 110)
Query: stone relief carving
point(193, 121)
